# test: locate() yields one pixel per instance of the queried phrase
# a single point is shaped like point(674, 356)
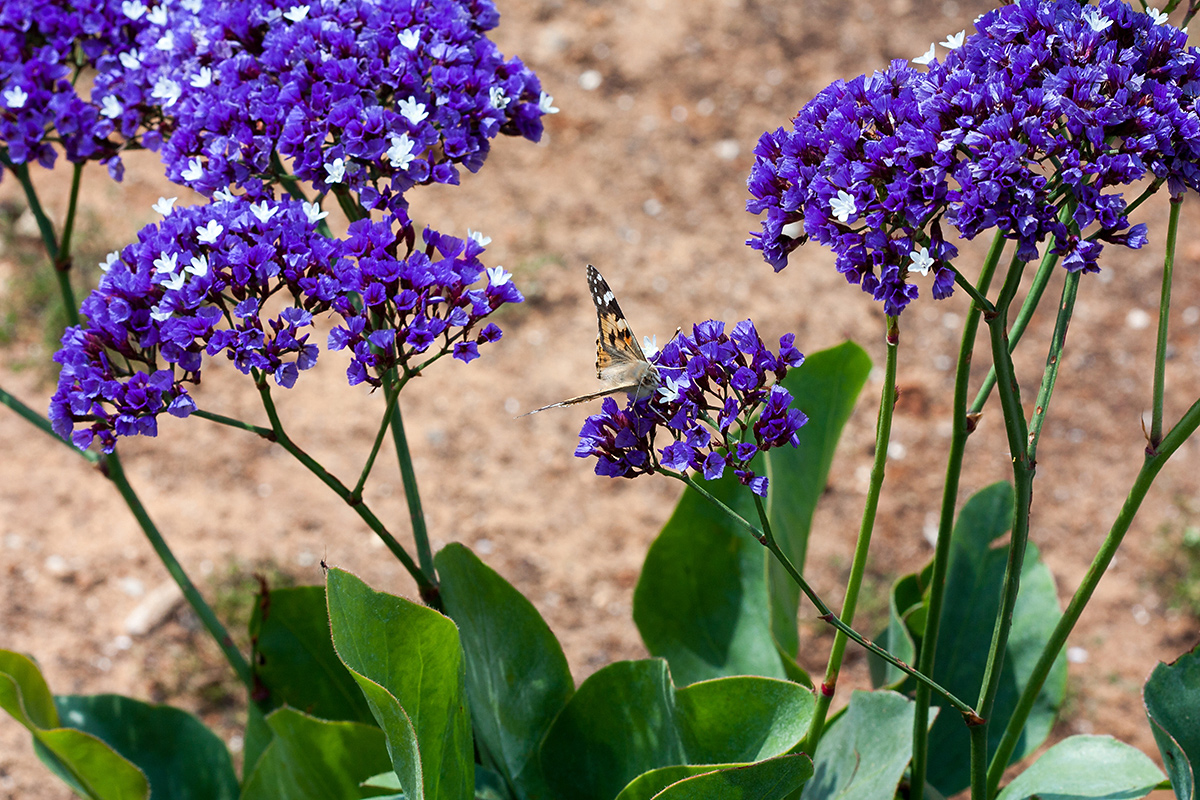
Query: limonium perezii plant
point(1038, 126)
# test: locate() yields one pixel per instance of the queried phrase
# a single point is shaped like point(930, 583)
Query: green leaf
point(1089, 768)
point(907, 607)
point(826, 387)
point(258, 736)
point(649, 784)
point(701, 600)
point(408, 661)
point(974, 579)
point(1172, 698)
point(773, 779)
point(315, 759)
point(178, 755)
point(741, 719)
point(517, 675)
point(628, 719)
point(865, 752)
point(620, 723)
point(90, 767)
point(294, 660)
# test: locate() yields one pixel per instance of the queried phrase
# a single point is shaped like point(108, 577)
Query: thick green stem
point(111, 467)
point(1155, 460)
point(1164, 313)
point(390, 406)
point(883, 434)
point(962, 427)
point(1023, 472)
point(38, 421)
point(416, 514)
point(1053, 360)
point(424, 585)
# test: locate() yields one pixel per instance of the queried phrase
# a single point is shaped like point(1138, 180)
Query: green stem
point(38, 421)
point(424, 585)
point(1038, 287)
point(1023, 472)
point(979, 738)
point(1154, 462)
point(1053, 360)
point(883, 433)
point(72, 207)
point(221, 419)
point(416, 514)
point(390, 395)
point(45, 227)
point(111, 467)
point(1164, 313)
point(962, 427)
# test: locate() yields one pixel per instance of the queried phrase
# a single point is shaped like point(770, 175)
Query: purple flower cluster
point(373, 96)
point(719, 401)
point(1026, 127)
point(210, 279)
point(44, 45)
point(395, 309)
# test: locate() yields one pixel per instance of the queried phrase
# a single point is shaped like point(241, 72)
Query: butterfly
point(620, 363)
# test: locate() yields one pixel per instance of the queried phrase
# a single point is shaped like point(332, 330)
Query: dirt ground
point(643, 174)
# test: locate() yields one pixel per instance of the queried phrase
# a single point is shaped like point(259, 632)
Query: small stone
point(154, 609)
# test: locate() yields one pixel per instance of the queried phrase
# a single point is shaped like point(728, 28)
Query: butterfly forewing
point(620, 363)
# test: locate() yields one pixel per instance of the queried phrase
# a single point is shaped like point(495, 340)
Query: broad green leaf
point(701, 600)
point(294, 660)
point(741, 719)
point(974, 579)
point(628, 719)
point(178, 755)
point(649, 784)
point(1087, 768)
point(488, 785)
point(1172, 698)
point(825, 387)
point(620, 723)
point(773, 779)
point(90, 767)
point(865, 752)
point(408, 661)
point(517, 675)
point(315, 759)
point(258, 736)
point(905, 606)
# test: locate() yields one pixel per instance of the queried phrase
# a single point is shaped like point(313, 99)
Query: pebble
point(157, 606)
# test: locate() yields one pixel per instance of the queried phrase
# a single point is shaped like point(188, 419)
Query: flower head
point(718, 402)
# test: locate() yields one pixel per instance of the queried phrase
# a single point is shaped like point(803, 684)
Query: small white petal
point(921, 261)
point(176, 281)
point(409, 39)
point(843, 206)
point(262, 211)
point(479, 238)
point(296, 13)
point(954, 40)
point(202, 79)
point(130, 59)
point(208, 233)
point(336, 171)
point(134, 9)
point(164, 205)
point(109, 260)
point(497, 98)
point(224, 196)
point(400, 154)
point(198, 267)
point(15, 97)
point(413, 111)
point(497, 276)
point(313, 211)
point(193, 172)
point(166, 90)
point(166, 262)
point(157, 15)
point(1159, 17)
point(110, 108)
point(546, 104)
point(929, 55)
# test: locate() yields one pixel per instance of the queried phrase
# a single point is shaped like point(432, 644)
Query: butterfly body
point(620, 363)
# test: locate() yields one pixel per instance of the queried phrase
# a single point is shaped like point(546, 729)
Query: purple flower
point(1040, 109)
point(718, 401)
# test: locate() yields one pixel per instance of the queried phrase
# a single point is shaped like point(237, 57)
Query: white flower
point(208, 233)
point(110, 107)
point(193, 6)
point(202, 79)
point(167, 90)
point(160, 314)
point(131, 59)
point(843, 206)
point(224, 196)
point(497, 98)
point(954, 40)
point(313, 212)
point(479, 238)
point(157, 15)
point(400, 154)
point(166, 42)
point(134, 9)
point(1159, 17)
point(109, 260)
point(649, 345)
point(336, 171)
point(497, 275)
point(15, 97)
point(164, 205)
point(921, 261)
point(166, 262)
point(296, 13)
point(263, 211)
point(1095, 20)
point(924, 60)
point(672, 389)
point(546, 104)
point(198, 267)
point(175, 282)
point(413, 111)
point(410, 38)
point(193, 171)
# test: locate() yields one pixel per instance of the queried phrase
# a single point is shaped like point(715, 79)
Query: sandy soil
point(644, 176)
